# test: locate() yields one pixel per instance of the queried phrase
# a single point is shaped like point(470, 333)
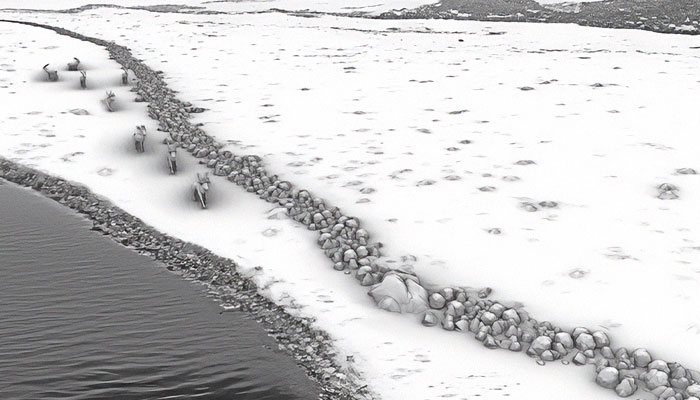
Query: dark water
point(84, 318)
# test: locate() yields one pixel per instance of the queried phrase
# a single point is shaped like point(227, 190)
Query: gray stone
point(661, 365)
point(580, 359)
point(436, 301)
point(601, 339)
point(511, 314)
point(693, 390)
point(455, 309)
point(497, 309)
point(655, 378)
point(626, 388)
point(565, 339)
point(488, 318)
point(429, 319)
point(641, 357)
point(540, 344)
point(462, 325)
point(608, 378)
point(607, 352)
point(515, 346)
point(585, 341)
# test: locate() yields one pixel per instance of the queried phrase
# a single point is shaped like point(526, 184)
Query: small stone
point(79, 111)
point(686, 171)
point(641, 357)
point(455, 309)
point(349, 254)
point(585, 341)
point(488, 318)
point(548, 355)
point(462, 325)
point(626, 388)
point(529, 207)
point(577, 331)
point(429, 319)
point(515, 346)
point(661, 365)
point(607, 352)
point(497, 309)
point(448, 324)
point(436, 301)
point(601, 339)
point(608, 378)
point(524, 162)
point(565, 339)
point(655, 378)
point(540, 344)
point(694, 390)
point(511, 314)
point(579, 359)
point(490, 342)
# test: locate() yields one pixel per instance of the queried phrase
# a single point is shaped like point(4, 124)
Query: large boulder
point(404, 292)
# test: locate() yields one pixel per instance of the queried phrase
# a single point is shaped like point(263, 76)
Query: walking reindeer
point(73, 66)
point(109, 101)
point(200, 189)
point(172, 154)
point(125, 76)
point(83, 80)
point(52, 74)
point(140, 138)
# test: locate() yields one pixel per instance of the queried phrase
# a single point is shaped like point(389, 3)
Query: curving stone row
point(350, 249)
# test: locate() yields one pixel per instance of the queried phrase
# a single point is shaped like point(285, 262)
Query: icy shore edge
point(311, 348)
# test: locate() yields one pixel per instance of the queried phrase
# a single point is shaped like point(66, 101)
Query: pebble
point(626, 388)
point(436, 301)
point(608, 378)
point(641, 357)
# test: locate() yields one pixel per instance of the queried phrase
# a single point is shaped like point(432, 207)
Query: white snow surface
point(339, 105)
point(370, 7)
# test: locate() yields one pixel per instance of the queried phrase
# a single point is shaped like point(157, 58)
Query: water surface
point(84, 318)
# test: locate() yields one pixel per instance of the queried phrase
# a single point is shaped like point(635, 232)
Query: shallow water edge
point(311, 348)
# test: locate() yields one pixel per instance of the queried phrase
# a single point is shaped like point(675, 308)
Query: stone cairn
point(350, 249)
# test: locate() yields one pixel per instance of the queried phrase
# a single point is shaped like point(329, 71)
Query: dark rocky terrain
point(666, 16)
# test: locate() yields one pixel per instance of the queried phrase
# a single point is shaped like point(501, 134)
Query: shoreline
point(311, 348)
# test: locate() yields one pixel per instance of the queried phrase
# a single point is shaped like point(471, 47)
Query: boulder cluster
point(497, 326)
point(350, 249)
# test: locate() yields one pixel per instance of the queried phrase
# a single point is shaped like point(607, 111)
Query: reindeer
point(140, 138)
point(171, 157)
point(109, 101)
point(200, 189)
point(83, 80)
point(73, 66)
point(52, 74)
point(125, 76)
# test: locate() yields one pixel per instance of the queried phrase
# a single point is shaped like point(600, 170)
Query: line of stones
point(349, 248)
point(311, 348)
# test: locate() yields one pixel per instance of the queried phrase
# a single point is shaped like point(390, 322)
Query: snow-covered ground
point(416, 127)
